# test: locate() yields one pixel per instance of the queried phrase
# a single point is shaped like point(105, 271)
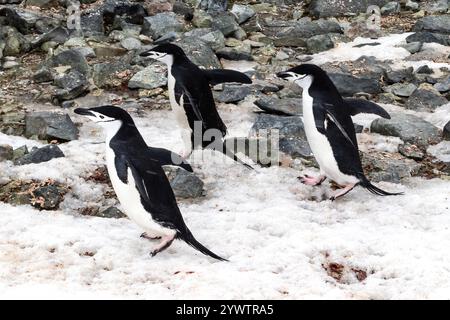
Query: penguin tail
point(365, 183)
point(233, 156)
point(188, 237)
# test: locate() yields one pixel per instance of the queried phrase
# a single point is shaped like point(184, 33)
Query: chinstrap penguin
point(139, 180)
point(330, 131)
point(192, 100)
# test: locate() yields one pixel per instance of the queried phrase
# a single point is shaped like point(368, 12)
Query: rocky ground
point(52, 161)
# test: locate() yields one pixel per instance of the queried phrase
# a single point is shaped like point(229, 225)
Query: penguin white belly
point(320, 146)
point(130, 199)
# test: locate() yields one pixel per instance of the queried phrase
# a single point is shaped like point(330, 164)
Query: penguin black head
point(303, 75)
point(106, 116)
point(166, 52)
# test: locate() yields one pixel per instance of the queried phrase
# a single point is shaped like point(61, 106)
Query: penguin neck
point(125, 133)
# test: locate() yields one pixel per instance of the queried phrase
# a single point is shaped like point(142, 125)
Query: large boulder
point(50, 126)
point(439, 24)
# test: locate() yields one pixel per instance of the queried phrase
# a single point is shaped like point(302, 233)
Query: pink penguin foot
point(311, 181)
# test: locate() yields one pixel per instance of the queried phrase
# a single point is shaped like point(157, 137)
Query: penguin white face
point(110, 123)
point(160, 56)
point(302, 80)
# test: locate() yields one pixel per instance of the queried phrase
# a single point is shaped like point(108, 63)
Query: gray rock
point(425, 99)
point(14, 43)
point(20, 152)
point(202, 19)
point(424, 70)
point(242, 12)
point(225, 23)
point(390, 7)
point(233, 93)
point(439, 24)
point(413, 47)
point(199, 52)
point(92, 22)
point(21, 19)
point(435, 6)
point(427, 37)
point(402, 89)
point(131, 43)
point(409, 128)
point(112, 213)
point(184, 184)
point(389, 169)
point(400, 75)
point(319, 43)
point(161, 23)
point(183, 9)
point(10, 64)
point(50, 126)
point(239, 34)
point(58, 35)
point(291, 132)
point(446, 131)
point(411, 5)
point(411, 151)
point(6, 152)
point(335, 8)
point(286, 106)
point(72, 84)
point(71, 58)
point(38, 155)
point(214, 39)
point(153, 76)
point(214, 5)
point(443, 85)
point(48, 197)
point(105, 74)
point(242, 52)
point(349, 84)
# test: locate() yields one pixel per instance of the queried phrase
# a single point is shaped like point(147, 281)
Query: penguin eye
point(102, 117)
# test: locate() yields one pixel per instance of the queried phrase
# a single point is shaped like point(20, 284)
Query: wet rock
point(319, 43)
point(158, 25)
point(446, 131)
point(425, 98)
point(6, 152)
point(388, 167)
point(439, 24)
point(233, 93)
point(242, 52)
point(39, 155)
point(411, 151)
point(47, 197)
point(286, 106)
point(184, 184)
point(153, 76)
point(72, 85)
point(242, 12)
point(112, 213)
point(390, 8)
point(402, 89)
point(428, 37)
point(335, 8)
point(409, 128)
point(225, 23)
point(50, 126)
point(291, 132)
point(199, 52)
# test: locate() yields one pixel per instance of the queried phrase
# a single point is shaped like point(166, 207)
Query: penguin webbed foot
point(342, 192)
point(311, 181)
point(148, 237)
point(163, 245)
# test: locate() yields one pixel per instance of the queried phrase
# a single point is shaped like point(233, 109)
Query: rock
point(131, 44)
point(106, 75)
point(214, 5)
point(242, 12)
point(199, 52)
point(291, 132)
point(319, 43)
point(336, 8)
point(233, 93)
point(281, 55)
point(443, 85)
point(402, 89)
point(286, 106)
point(50, 126)
point(72, 84)
point(214, 39)
point(413, 47)
point(242, 52)
point(47, 197)
point(409, 128)
point(183, 9)
point(390, 8)
point(71, 58)
point(226, 23)
point(435, 6)
point(153, 76)
point(58, 35)
point(388, 167)
point(439, 24)
point(20, 152)
point(425, 98)
point(14, 42)
point(348, 84)
point(411, 5)
point(446, 131)
point(202, 19)
point(411, 151)
point(21, 19)
point(427, 37)
point(6, 152)
point(10, 64)
point(424, 70)
point(158, 25)
point(12, 117)
point(92, 22)
point(39, 155)
point(105, 50)
point(111, 212)
point(400, 75)
point(184, 184)
point(239, 34)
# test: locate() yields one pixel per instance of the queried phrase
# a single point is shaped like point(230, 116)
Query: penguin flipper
point(167, 157)
point(217, 76)
point(356, 106)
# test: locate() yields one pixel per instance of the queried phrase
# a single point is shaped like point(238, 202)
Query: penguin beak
point(284, 75)
point(84, 112)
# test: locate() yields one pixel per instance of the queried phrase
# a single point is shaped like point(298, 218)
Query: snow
point(277, 233)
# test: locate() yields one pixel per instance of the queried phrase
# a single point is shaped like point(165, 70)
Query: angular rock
point(131, 43)
point(39, 155)
point(233, 93)
point(214, 5)
point(319, 43)
point(286, 106)
point(385, 167)
point(428, 37)
point(72, 84)
point(424, 70)
point(106, 75)
point(409, 128)
point(199, 52)
point(242, 12)
point(47, 197)
point(153, 76)
point(158, 25)
point(400, 75)
point(439, 24)
point(6, 152)
point(425, 99)
point(183, 9)
point(214, 39)
point(71, 58)
point(242, 52)
point(202, 19)
point(443, 85)
point(50, 126)
point(390, 8)
point(225, 23)
point(336, 8)
point(402, 89)
point(411, 151)
point(112, 213)
point(348, 84)
point(446, 131)
point(20, 152)
point(184, 184)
